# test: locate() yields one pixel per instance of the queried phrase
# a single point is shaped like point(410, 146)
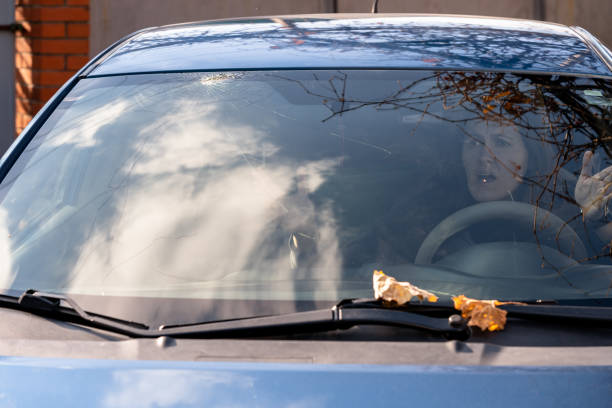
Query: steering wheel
point(522, 213)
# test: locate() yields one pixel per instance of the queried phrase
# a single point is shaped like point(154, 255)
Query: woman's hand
point(593, 191)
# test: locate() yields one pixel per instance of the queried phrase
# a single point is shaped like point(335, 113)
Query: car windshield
point(275, 191)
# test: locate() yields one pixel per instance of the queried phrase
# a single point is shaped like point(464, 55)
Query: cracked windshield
point(283, 190)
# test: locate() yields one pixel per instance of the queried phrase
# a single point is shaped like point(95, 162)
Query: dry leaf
point(482, 313)
point(389, 289)
point(488, 108)
point(502, 94)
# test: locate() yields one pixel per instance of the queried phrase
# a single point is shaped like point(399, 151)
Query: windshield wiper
point(344, 315)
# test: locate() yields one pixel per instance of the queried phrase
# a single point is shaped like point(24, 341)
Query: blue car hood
point(28, 382)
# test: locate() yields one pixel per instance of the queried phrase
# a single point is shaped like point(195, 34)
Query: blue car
point(195, 219)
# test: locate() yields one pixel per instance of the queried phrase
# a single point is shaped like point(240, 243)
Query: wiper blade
point(580, 314)
point(544, 310)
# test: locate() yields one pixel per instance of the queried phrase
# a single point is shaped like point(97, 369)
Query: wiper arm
point(344, 315)
point(51, 304)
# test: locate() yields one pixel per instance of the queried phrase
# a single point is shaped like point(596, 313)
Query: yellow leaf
point(488, 109)
point(502, 94)
point(390, 290)
point(482, 313)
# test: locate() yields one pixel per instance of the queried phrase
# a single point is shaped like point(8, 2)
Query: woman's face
point(495, 159)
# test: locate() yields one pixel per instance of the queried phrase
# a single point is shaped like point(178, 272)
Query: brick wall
point(52, 47)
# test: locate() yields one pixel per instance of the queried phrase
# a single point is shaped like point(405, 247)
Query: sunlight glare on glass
point(219, 78)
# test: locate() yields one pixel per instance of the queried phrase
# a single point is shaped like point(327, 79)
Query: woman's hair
point(540, 160)
point(543, 181)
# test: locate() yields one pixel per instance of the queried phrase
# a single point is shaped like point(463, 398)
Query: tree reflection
point(408, 42)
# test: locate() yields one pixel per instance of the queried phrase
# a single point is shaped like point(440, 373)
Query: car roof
point(370, 41)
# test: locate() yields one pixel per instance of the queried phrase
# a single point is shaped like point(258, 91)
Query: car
point(201, 215)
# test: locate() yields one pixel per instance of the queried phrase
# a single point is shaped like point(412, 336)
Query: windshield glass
point(287, 189)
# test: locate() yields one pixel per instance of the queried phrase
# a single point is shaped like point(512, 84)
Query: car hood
point(118, 383)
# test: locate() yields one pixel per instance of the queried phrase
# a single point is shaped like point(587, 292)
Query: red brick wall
point(52, 47)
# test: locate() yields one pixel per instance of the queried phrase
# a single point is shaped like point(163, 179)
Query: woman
point(501, 165)
point(496, 160)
